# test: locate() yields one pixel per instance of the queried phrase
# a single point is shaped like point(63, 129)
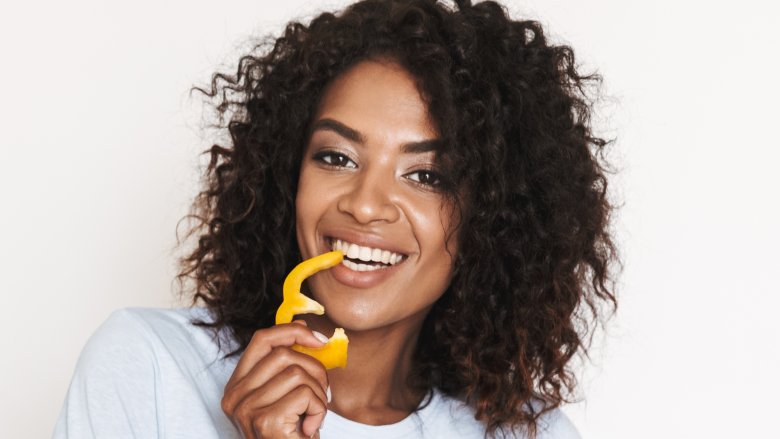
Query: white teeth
point(353, 252)
point(367, 254)
point(360, 267)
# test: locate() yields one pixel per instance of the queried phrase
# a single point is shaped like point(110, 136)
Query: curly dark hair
point(534, 273)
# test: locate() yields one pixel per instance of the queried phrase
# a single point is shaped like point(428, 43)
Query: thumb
point(313, 420)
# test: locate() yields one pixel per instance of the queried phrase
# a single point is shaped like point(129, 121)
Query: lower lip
point(362, 279)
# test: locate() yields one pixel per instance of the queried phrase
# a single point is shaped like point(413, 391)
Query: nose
point(369, 200)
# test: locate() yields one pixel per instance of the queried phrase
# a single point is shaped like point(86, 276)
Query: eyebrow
point(356, 136)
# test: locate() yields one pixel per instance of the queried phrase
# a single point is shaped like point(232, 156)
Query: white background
point(99, 161)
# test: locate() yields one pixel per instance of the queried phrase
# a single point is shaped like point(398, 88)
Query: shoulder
point(556, 425)
point(445, 413)
point(134, 333)
point(157, 319)
point(136, 365)
point(129, 343)
point(122, 338)
point(161, 333)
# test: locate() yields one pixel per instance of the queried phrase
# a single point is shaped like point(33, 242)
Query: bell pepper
point(334, 352)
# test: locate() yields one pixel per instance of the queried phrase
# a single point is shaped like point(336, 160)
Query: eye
point(335, 159)
point(424, 177)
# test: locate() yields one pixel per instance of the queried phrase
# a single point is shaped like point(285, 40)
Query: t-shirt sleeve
point(112, 393)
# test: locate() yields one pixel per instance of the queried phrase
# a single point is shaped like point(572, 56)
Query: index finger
point(264, 340)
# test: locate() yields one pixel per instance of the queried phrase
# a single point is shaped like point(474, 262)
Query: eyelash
point(431, 176)
point(327, 159)
point(324, 156)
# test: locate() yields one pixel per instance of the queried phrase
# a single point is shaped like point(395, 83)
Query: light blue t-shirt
point(151, 373)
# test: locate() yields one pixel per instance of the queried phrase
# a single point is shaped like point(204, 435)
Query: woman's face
point(368, 186)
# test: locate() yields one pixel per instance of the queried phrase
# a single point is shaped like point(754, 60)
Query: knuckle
point(305, 391)
point(297, 369)
point(263, 426)
point(296, 372)
point(227, 405)
point(316, 402)
point(282, 353)
point(322, 375)
point(258, 336)
point(243, 413)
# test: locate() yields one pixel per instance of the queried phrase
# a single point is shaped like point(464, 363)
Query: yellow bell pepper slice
point(334, 352)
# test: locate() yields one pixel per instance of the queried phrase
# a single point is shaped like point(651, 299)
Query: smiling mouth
point(361, 258)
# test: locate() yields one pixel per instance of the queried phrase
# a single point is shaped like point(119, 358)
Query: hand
point(275, 392)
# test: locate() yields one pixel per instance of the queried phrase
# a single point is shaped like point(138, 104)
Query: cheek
point(432, 227)
point(309, 205)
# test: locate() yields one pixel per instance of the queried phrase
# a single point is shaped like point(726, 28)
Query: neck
point(373, 388)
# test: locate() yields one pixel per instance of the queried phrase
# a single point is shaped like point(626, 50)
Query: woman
point(448, 153)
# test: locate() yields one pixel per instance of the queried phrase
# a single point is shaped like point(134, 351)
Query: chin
point(351, 320)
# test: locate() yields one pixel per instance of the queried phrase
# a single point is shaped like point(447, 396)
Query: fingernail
point(328, 394)
point(321, 337)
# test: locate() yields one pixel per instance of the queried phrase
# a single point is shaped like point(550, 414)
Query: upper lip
point(363, 239)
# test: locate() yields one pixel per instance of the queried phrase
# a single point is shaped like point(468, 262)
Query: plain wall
point(100, 159)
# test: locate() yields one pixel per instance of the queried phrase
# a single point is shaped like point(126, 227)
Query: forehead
point(376, 97)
